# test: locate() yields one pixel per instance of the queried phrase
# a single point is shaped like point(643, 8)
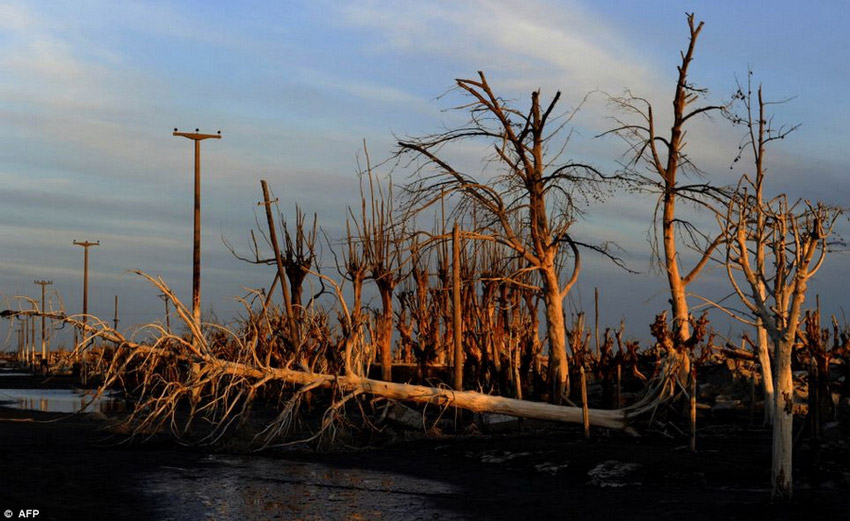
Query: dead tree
point(354, 270)
point(664, 157)
point(773, 249)
point(529, 202)
point(294, 258)
point(299, 256)
point(796, 248)
point(227, 375)
point(380, 240)
point(815, 340)
point(760, 130)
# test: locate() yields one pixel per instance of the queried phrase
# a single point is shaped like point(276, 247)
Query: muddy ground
point(61, 466)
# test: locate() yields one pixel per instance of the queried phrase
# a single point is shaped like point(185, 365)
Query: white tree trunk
point(783, 423)
point(763, 353)
point(470, 400)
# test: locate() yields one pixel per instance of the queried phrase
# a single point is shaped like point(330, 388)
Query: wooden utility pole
point(22, 331)
point(20, 345)
point(32, 339)
point(86, 245)
point(457, 324)
point(164, 297)
point(44, 347)
point(196, 251)
point(25, 324)
point(281, 272)
point(24, 339)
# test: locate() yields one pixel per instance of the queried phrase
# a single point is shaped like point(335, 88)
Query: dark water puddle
point(59, 400)
point(235, 487)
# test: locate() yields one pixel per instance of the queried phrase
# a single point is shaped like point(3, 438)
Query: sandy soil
point(62, 466)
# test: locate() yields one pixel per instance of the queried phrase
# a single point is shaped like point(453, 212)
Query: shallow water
point(236, 487)
point(59, 400)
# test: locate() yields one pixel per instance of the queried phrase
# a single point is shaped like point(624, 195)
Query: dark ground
point(60, 466)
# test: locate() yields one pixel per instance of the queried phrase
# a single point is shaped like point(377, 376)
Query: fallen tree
point(177, 380)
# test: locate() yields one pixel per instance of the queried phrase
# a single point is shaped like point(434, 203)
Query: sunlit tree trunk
point(783, 422)
point(763, 353)
point(559, 370)
point(678, 288)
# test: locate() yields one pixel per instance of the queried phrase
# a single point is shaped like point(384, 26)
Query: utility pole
point(43, 283)
point(32, 337)
point(86, 245)
point(164, 297)
point(20, 345)
point(115, 320)
point(196, 252)
point(22, 340)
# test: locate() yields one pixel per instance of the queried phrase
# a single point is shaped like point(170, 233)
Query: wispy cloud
point(538, 44)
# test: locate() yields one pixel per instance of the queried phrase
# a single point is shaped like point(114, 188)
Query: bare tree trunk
point(559, 373)
point(763, 353)
point(385, 335)
point(354, 362)
point(456, 311)
point(681, 326)
point(783, 423)
point(293, 326)
point(585, 414)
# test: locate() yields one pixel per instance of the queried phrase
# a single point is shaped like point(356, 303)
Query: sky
point(91, 90)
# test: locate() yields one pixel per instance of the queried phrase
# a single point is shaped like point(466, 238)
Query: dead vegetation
point(473, 318)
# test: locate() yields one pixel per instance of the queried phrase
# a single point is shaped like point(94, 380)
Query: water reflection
point(59, 400)
point(233, 487)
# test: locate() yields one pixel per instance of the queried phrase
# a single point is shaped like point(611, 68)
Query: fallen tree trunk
point(470, 400)
point(213, 368)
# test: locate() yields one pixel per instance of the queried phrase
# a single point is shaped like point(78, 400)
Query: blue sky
point(90, 90)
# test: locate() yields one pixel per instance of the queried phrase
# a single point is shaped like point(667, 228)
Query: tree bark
point(470, 400)
point(763, 352)
point(681, 327)
point(783, 423)
point(457, 325)
point(385, 334)
point(559, 372)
